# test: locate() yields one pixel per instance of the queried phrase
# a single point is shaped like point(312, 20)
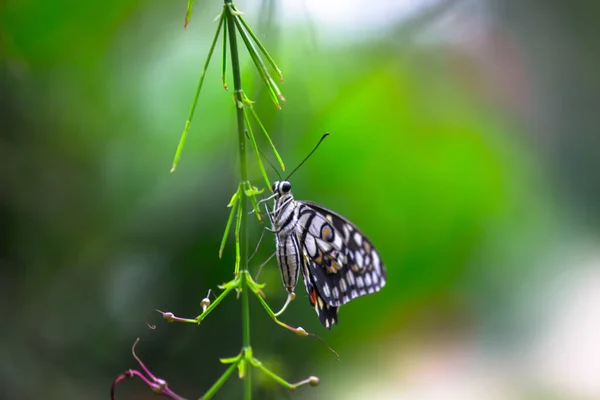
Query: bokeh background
point(464, 142)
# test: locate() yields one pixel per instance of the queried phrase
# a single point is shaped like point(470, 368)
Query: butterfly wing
point(327, 314)
point(340, 261)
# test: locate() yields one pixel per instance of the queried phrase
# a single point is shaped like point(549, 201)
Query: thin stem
point(313, 380)
point(238, 225)
point(237, 85)
point(251, 192)
point(215, 388)
point(262, 128)
point(188, 13)
point(170, 317)
point(198, 89)
point(256, 150)
point(233, 204)
point(274, 91)
point(224, 62)
point(214, 304)
point(261, 47)
point(298, 331)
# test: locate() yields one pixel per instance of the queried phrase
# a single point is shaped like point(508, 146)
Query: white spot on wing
point(368, 279)
point(346, 232)
point(335, 292)
point(359, 259)
point(315, 227)
point(375, 277)
point(311, 246)
point(326, 290)
point(350, 278)
point(343, 285)
point(359, 281)
point(337, 241)
point(303, 220)
point(376, 261)
point(323, 245)
point(358, 238)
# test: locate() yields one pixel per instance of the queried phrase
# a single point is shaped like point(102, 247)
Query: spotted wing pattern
point(340, 263)
point(327, 314)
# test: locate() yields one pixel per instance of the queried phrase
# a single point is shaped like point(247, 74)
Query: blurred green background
point(464, 142)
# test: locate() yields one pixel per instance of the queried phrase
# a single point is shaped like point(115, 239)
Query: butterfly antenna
point(266, 159)
point(308, 156)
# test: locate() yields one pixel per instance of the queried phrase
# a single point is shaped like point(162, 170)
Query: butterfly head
point(282, 189)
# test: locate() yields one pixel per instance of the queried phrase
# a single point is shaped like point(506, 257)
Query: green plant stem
point(217, 385)
point(237, 85)
point(198, 89)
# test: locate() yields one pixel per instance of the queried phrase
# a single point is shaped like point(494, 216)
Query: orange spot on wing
point(327, 233)
point(319, 258)
point(313, 297)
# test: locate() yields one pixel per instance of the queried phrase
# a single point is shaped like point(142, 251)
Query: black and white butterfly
point(337, 261)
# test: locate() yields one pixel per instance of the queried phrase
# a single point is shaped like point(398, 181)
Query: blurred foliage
point(97, 233)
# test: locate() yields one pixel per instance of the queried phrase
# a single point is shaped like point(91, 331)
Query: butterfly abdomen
point(289, 260)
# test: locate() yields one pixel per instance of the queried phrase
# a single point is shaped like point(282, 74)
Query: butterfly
point(337, 261)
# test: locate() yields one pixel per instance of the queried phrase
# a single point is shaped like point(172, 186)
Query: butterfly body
point(338, 263)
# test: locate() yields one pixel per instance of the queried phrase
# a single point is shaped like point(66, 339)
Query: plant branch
point(199, 87)
point(222, 379)
point(243, 231)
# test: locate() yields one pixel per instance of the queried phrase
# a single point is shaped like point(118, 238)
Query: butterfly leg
point(255, 288)
point(271, 197)
point(260, 267)
point(270, 219)
point(257, 246)
point(298, 331)
point(291, 296)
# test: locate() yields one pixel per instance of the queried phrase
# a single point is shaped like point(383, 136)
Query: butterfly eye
point(274, 187)
point(286, 187)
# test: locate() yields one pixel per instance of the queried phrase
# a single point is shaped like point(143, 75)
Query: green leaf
point(232, 203)
point(188, 13)
point(237, 240)
point(254, 286)
point(272, 87)
point(261, 47)
point(198, 89)
point(269, 139)
point(230, 360)
point(256, 151)
point(234, 198)
point(242, 368)
point(250, 192)
point(232, 284)
point(224, 61)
